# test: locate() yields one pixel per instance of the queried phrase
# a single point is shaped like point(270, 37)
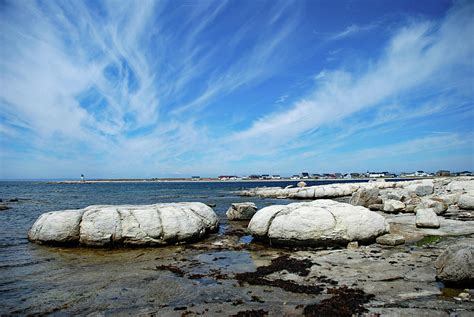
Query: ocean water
point(38, 279)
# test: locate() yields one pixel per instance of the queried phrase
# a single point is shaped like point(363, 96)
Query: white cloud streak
point(418, 56)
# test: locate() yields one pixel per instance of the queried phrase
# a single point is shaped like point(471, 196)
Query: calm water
point(39, 279)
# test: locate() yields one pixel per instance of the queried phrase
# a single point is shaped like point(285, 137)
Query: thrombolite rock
point(466, 201)
point(301, 184)
point(241, 211)
point(390, 239)
point(438, 205)
point(456, 264)
point(406, 188)
point(321, 222)
point(391, 205)
point(366, 197)
point(427, 218)
point(424, 188)
point(461, 185)
point(156, 224)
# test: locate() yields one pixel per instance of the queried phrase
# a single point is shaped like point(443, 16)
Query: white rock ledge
point(133, 225)
point(423, 187)
point(317, 223)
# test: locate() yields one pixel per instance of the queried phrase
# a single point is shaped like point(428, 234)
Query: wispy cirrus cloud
point(421, 57)
point(353, 29)
point(126, 88)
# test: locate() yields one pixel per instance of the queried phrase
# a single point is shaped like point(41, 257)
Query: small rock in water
point(4, 207)
point(390, 239)
point(301, 184)
point(427, 218)
point(353, 245)
point(241, 211)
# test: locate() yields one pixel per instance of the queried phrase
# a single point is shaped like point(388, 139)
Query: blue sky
point(180, 88)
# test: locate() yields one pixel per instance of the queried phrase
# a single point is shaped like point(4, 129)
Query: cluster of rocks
point(319, 222)
point(428, 199)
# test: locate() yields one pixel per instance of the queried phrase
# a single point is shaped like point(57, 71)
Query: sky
point(179, 88)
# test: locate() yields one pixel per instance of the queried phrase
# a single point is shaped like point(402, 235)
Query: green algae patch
point(428, 240)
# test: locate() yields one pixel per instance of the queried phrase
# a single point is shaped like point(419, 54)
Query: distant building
point(295, 177)
point(443, 173)
point(227, 177)
point(305, 175)
point(82, 178)
point(254, 177)
point(195, 178)
point(377, 174)
point(276, 177)
point(464, 173)
point(355, 175)
point(338, 175)
point(315, 176)
point(265, 176)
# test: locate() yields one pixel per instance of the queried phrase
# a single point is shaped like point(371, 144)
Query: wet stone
point(391, 239)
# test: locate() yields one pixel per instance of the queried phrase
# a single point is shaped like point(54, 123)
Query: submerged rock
point(4, 207)
point(241, 211)
point(427, 218)
point(456, 264)
point(157, 224)
point(317, 223)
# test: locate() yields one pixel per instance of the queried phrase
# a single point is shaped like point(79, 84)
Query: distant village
point(306, 175)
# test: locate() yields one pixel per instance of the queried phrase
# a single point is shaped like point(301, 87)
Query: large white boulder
point(320, 222)
point(466, 201)
point(241, 211)
point(456, 264)
point(156, 224)
point(460, 185)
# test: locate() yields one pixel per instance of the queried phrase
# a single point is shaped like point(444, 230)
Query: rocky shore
point(393, 248)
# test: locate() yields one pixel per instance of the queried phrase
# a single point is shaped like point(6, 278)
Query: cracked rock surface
point(320, 222)
point(157, 224)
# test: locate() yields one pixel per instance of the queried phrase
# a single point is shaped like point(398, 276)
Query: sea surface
point(38, 279)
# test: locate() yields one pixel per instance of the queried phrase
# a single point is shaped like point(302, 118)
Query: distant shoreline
point(213, 180)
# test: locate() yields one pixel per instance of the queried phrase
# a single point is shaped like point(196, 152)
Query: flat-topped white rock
point(317, 223)
point(427, 218)
point(157, 224)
